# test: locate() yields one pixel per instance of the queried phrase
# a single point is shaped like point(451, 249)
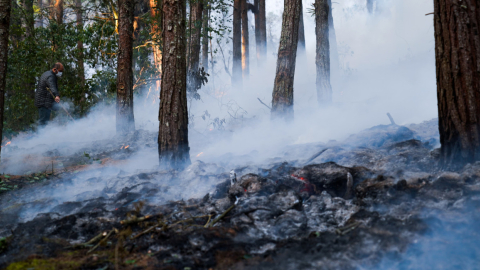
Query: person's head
point(57, 69)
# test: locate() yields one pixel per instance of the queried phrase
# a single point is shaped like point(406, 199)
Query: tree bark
point(301, 33)
point(370, 6)
point(5, 8)
point(282, 101)
point(173, 148)
point(322, 60)
point(81, 67)
point(245, 41)
point(155, 7)
point(196, 13)
point(237, 45)
point(206, 17)
point(58, 7)
point(262, 22)
point(457, 55)
point(125, 118)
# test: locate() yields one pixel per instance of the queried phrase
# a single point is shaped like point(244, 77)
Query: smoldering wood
point(282, 96)
point(245, 41)
point(124, 117)
point(5, 9)
point(173, 147)
point(457, 55)
point(322, 59)
point(237, 45)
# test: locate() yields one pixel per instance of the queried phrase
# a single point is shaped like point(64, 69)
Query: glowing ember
point(201, 153)
point(298, 177)
point(127, 146)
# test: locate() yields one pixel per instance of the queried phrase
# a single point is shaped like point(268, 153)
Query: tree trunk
point(173, 148)
point(322, 60)
point(457, 55)
point(206, 17)
point(262, 22)
point(58, 7)
point(282, 101)
point(28, 17)
point(257, 31)
point(125, 119)
point(301, 33)
point(155, 6)
point(195, 34)
point(370, 6)
point(335, 62)
point(245, 43)
point(5, 8)
point(237, 45)
point(81, 67)
point(39, 23)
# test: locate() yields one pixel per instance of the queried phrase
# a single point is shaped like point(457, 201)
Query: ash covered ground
point(375, 200)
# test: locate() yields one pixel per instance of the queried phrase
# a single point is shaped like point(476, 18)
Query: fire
point(297, 177)
point(124, 147)
point(201, 153)
point(127, 146)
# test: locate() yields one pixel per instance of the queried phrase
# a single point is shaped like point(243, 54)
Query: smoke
point(386, 64)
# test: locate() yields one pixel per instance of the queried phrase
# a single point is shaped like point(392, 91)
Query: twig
point(264, 103)
point(106, 237)
point(315, 156)
point(134, 220)
point(208, 221)
point(391, 119)
point(429, 13)
point(220, 217)
point(60, 104)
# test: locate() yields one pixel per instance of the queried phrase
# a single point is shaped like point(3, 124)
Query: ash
point(376, 200)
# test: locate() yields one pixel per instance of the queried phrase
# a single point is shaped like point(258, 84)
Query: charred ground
point(378, 198)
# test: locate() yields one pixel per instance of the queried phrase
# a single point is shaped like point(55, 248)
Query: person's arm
point(52, 85)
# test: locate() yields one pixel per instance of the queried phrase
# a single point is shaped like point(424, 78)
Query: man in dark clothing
point(46, 89)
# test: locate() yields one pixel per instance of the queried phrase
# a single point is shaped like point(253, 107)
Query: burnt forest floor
point(375, 201)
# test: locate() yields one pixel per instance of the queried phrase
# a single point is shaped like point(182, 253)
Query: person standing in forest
point(46, 91)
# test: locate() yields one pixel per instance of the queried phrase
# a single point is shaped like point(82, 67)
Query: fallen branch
point(347, 229)
point(220, 217)
point(315, 156)
point(103, 240)
point(391, 119)
point(134, 220)
point(264, 104)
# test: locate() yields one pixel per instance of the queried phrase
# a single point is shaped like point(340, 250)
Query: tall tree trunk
point(196, 10)
point(322, 60)
point(301, 33)
point(173, 148)
point(5, 8)
point(39, 23)
point(206, 17)
point(28, 17)
point(335, 61)
point(257, 31)
point(457, 55)
point(29, 21)
point(245, 41)
point(237, 45)
point(155, 12)
point(262, 22)
point(125, 118)
point(59, 11)
point(282, 101)
point(370, 6)
point(81, 67)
